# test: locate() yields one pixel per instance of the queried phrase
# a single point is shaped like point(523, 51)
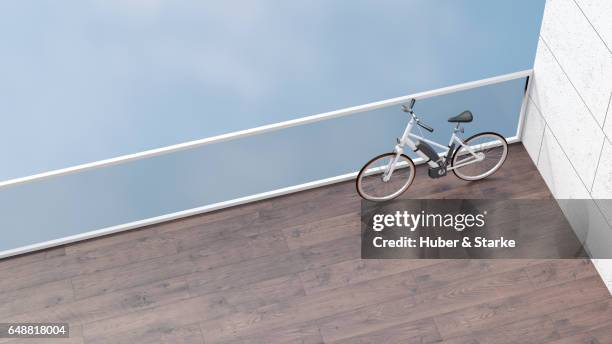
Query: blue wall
point(72, 204)
point(83, 80)
point(86, 80)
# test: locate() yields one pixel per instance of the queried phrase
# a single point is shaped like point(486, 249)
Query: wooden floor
point(288, 270)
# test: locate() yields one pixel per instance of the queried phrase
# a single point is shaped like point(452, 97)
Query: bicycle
point(388, 175)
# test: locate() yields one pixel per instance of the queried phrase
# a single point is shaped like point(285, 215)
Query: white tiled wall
point(557, 170)
point(599, 13)
point(581, 53)
point(608, 123)
point(568, 118)
point(568, 126)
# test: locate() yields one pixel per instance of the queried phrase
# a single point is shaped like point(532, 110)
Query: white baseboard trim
point(192, 211)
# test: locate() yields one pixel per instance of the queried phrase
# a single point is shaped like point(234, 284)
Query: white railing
point(240, 134)
point(265, 128)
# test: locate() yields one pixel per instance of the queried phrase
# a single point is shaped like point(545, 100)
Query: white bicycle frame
point(406, 140)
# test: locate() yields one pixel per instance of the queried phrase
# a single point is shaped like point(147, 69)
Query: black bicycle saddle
point(464, 117)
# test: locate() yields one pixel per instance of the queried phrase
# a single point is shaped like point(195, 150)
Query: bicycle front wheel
point(488, 153)
point(372, 184)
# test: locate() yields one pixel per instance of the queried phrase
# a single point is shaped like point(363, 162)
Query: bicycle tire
point(404, 187)
point(490, 172)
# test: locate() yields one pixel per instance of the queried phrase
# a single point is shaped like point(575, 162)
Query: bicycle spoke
point(493, 150)
point(370, 182)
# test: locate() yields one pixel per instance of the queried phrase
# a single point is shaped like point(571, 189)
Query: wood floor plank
point(583, 318)
point(560, 270)
point(189, 334)
point(331, 252)
point(124, 253)
point(418, 332)
point(494, 285)
point(600, 335)
point(205, 235)
point(527, 185)
point(236, 250)
point(186, 311)
point(423, 305)
point(272, 266)
point(86, 262)
point(370, 319)
point(300, 333)
point(32, 257)
point(260, 294)
point(245, 273)
point(109, 305)
point(310, 307)
point(439, 275)
point(190, 261)
point(132, 275)
point(526, 305)
point(30, 299)
point(529, 331)
point(44, 271)
point(357, 270)
point(320, 231)
point(171, 316)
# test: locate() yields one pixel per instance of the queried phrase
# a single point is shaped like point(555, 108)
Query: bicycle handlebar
point(425, 126)
point(409, 107)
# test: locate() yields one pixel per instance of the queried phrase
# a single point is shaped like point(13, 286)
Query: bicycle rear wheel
point(491, 147)
point(370, 183)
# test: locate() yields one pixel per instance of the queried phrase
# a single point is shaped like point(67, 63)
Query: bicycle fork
point(392, 163)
